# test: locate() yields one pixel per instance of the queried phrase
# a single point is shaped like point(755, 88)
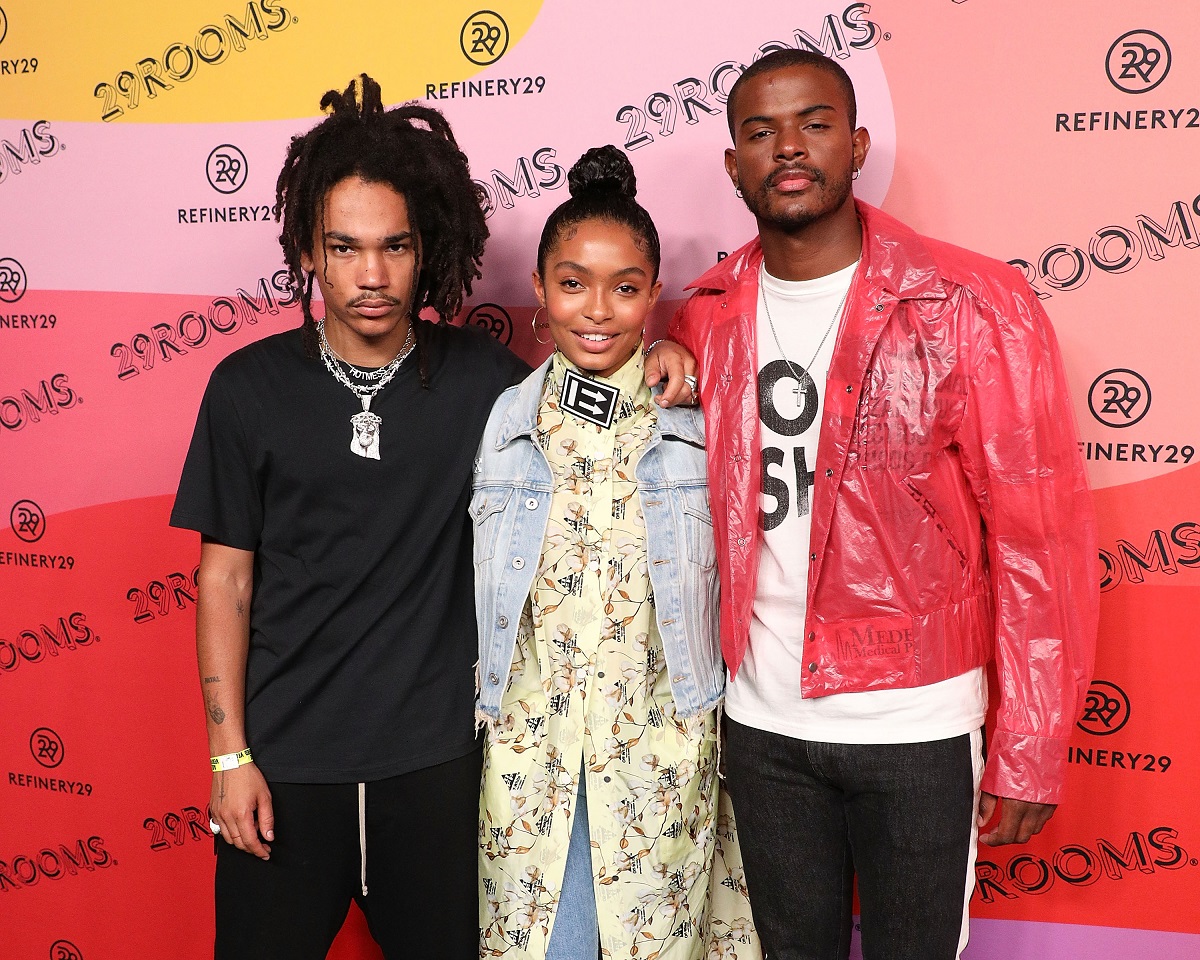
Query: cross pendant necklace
point(801, 376)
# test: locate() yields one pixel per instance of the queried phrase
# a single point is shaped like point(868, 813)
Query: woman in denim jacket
point(596, 590)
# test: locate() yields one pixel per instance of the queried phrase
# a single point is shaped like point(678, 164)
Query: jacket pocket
point(486, 509)
point(941, 527)
point(698, 527)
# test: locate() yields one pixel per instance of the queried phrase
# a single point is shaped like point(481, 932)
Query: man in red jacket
point(898, 496)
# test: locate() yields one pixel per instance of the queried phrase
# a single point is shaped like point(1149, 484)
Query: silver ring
point(692, 382)
point(214, 827)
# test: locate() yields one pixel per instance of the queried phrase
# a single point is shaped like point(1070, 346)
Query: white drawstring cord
point(362, 834)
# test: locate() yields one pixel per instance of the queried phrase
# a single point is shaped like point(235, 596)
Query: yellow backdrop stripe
point(240, 59)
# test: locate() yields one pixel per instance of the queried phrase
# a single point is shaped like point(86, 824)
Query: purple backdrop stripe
point(1026, 940)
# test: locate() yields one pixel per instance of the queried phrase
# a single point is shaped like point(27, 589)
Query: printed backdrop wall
point(139, 144)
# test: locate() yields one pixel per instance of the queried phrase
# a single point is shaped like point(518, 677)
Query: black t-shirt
point(362, 624)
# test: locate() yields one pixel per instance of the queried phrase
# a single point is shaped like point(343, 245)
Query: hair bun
point(602, 170)
point(363, 97)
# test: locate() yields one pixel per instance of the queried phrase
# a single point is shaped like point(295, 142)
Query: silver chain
point(381, 376)
point(771, 323)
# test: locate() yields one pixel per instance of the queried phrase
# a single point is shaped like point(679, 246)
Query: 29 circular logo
point(47, 747)
point(494, 319)
point(12, 280)
point(1119, 397)
point(484, 37)
point(1138, 61)
point(1105, 709)
point(226, 168)
point(64, 950)
point(27, 520)
point(3, 25)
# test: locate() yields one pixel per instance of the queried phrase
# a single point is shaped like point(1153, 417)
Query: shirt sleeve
point(679, 327)
point(514, 370)
point(509, 369)
point(219, 493)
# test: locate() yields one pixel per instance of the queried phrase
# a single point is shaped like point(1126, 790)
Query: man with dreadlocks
point(329, 478)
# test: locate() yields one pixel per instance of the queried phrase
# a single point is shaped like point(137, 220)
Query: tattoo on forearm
point(241, 609)
point(212, 679)
point(215, 711)
point(221, 787)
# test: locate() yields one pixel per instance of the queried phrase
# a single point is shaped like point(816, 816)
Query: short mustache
point(816, 176)
point(365, 297)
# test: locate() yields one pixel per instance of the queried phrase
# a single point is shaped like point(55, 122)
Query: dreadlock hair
point(603, 187)
point(782, 59)
point(410, 148)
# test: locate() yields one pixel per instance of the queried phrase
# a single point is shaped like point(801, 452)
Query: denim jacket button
point(493, 679)
point(502, 621)
point(531, 503)
point(812, 667)
point(518, 563)
point(828, 471)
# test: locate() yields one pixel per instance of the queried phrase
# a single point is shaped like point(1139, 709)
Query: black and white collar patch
point(589, 400)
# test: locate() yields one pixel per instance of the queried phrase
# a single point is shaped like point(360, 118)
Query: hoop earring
point(534, 323)
point(738, 193)
point(857, 171)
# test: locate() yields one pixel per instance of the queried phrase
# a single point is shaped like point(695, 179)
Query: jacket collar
point(520, 420)
point(895, 260)
point(521, 417)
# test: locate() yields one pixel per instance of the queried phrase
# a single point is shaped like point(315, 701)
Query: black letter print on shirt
point(806, 402)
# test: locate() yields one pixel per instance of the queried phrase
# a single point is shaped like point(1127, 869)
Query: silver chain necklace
point(802, 376)
point(365, 439)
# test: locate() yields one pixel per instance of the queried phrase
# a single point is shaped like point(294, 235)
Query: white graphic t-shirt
point(793, 363)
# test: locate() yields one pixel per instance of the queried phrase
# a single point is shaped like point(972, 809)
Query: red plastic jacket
point(951, 517)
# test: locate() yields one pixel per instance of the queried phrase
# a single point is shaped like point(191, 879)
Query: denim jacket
point(510, 511)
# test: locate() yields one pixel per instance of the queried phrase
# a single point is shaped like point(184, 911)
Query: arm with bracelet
point(240, 801)
point(231, 761)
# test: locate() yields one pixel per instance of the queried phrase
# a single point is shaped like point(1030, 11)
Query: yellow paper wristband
point(231, 761)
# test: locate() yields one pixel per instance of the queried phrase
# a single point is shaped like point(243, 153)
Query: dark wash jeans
point(812, 816)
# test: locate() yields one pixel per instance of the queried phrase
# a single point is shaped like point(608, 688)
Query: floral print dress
point(589, 695)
